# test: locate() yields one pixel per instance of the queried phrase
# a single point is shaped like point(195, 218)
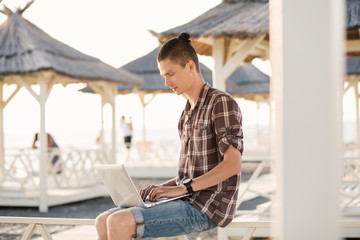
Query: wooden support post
point(112, 90)
point(357, 99)
point(2, 149)
point(229, 55)
point(43, 205)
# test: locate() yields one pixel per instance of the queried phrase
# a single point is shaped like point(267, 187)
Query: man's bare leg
point(121, 225)
point(100, 224)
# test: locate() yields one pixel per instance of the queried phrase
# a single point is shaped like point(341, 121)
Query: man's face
point(176, 77)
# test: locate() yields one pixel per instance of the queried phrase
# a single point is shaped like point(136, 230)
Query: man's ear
point(191, 65)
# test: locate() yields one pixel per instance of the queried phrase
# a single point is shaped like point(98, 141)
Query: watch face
point(186, 181)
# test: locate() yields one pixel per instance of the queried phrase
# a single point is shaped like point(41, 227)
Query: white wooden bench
point(350, 228)
point(248, 227)
point(244, 228)
point(39, 224)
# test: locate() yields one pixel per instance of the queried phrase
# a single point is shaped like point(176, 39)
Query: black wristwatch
point(187, 182)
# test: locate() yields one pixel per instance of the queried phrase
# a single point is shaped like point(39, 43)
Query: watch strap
point(189, 188)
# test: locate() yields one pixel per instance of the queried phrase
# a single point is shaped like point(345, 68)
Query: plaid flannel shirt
point(206, 132)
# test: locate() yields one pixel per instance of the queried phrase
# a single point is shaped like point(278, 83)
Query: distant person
point(98, 140)
point(209, 166)
point(53, 148)
point(126, 128)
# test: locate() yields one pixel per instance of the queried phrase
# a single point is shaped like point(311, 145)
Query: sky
point(116, 32)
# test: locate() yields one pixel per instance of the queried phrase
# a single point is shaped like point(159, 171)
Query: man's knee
point(100, 221)
point(100, 225)
point(123, 221)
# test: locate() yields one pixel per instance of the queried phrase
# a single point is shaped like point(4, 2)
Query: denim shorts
point(173, 218)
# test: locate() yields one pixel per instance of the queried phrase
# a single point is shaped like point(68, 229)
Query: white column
point(143, 104)
point(43, 206)
point(219, 61)
point(307, 58)
point(113, 88)
point(356, 93)
point(2, 149)
point(103, 145)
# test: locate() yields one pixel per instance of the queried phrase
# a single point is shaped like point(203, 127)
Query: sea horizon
point(253, 136)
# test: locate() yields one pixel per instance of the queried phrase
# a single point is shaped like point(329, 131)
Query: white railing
point(350, 188)
point(20, 172)
point(154, 154)
point(73, 168)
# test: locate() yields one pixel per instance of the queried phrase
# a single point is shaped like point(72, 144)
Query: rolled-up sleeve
point(227, 119)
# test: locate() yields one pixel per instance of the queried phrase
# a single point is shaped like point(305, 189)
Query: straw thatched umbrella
point(232, 32)
point(246, 82)
point(29, 56)
point(238, 30)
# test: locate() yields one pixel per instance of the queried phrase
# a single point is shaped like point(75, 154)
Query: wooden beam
point(352, 80)
point(97, 87)
point(352, 46)
point(12, 95)
point(205, 40)
point(263, 49)
point(260, 53)
point(234, 46)
point(20, 81)
point(240, 55)
point(109, 89)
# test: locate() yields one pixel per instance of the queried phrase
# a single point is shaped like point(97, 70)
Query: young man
point(209, 167)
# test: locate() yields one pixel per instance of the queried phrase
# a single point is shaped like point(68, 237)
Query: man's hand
point(145, 192)
point(157, 191)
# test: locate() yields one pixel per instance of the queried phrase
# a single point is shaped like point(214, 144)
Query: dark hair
point(179, 50)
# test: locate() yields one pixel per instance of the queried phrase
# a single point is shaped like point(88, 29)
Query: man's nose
point(167, 82)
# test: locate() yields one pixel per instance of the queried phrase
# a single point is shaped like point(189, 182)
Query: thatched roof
point(147, 68)
point(26, 49)
point(353, 65)
point(241, 19)
point(246, 81)
point(352, 14)
point(231, 19)
point(353, 19)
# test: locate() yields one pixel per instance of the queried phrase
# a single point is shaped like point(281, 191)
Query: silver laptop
point(122, 189)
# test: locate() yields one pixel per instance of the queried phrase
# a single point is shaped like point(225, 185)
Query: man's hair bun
point(185, 37)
